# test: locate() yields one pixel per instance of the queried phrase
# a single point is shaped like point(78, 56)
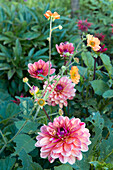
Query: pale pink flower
point(64, 90)
point(65, 49)
point(40, 67)
point(64, 139)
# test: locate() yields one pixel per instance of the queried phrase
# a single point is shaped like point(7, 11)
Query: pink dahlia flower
point(83, 25)
point(63, 91)
point(65, 49)
point(64, 139)
point(40, 67)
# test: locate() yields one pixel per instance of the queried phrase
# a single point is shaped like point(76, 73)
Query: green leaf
point(25, 142)
point(63, 167)
point(11, 73)
point(7, 163)
point(29, 127)
point(30, 35)
point(19, 73)
point(5, 51)
point(27, 161)
point(26, 104)
point(88, 60)
point(4, 66)
point(18, 49)
point(107, 63)
point(99, 86)
point(108, 94)
point(38, 53)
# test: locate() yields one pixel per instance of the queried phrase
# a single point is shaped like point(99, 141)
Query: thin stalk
point(3, 137)
point(108, 155)
point(38, 109)
point(50, 47)
point(94, 68)
point(47, 115)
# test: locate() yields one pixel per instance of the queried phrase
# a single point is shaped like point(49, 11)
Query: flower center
point(92, 43)
point(62, 132)
point(59, 87)
point(41, 102)
point(40, 71)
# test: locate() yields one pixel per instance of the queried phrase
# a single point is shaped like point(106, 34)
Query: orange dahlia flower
point(75, 77)
point(54, 15)
point(93, 42)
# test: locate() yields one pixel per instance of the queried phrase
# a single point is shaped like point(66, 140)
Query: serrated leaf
point(27, 162)
point(25, 142)
point(7, 163)
point(99, 86)
point(29, 127)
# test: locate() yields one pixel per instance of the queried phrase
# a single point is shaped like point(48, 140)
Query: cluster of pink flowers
point(64, 90)
point(64, 139)
point(65, 49)
point(83, 25)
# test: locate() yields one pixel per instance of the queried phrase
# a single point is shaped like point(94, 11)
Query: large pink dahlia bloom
point(40, 67)
point(64, 139)
point(64, 90)
point(65, 49)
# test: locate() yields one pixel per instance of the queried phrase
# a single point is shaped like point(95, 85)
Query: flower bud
point(25, 79)
point(60, 27)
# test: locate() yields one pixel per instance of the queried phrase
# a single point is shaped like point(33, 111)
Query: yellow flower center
point(41, 102)
point(92, 43)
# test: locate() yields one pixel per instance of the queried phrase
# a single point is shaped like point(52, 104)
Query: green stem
point(94, 68)
point(3, 137)
point(50, 47)
point(38, 109)
point(108, 155)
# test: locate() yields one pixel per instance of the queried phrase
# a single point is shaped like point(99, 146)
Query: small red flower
point(102, 49)
point(83, 25)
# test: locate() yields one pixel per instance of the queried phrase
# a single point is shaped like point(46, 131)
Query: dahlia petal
point(44, 154)
point(63, 159)
point(67, 147)
point(45, 141)
point(77, 142)
point(84, 147)
point(71, 159)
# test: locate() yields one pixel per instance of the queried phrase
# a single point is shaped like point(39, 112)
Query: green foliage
point(7, 163)
point(27, 162)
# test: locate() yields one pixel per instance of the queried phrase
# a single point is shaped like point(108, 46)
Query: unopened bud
point(76, 59)
point(48, 38)
point(25, 79)
point(63, 68)
point(61, 112)
point(60, 27)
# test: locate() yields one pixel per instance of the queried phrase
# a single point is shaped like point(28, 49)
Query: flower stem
point(50, 47)
point(108, 155)
point(94, 68)
point(47, 115)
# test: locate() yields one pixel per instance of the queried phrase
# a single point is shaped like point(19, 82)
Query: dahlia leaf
point(27, 162)
point(28, 128)
point(23, 141)
point(7, 163)
point(99, 86)
point(62, 167)
point(26, 104)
